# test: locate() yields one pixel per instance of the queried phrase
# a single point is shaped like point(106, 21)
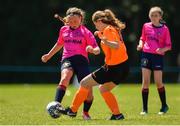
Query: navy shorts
point(79, 64)
point(114, 73)
point(151, 61)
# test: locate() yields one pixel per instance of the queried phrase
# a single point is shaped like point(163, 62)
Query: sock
point(162, 95)
point(87, 105)
point(79, 98)
point(60, 92)
point(145, 93)
point(111, 102)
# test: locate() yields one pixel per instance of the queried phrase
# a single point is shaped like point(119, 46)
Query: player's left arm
point(111, 44)
point(167, 40)
point(162, 50)
point(92, 46)
point(95, 50)
point(110, 38)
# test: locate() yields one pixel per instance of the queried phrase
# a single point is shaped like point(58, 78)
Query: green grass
point(25, 105)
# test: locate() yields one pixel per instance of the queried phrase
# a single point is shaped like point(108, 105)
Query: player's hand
point(139, 47)
point(103, 39)
point(89, 49)
point(96, 33)
point(45, 58)
point(160, 50)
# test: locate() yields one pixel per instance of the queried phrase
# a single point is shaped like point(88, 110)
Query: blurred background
point(28, 30)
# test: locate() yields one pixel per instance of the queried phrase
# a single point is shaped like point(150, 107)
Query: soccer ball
point(54, 108)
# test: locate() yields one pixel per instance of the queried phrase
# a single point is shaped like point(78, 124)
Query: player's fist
point(160, 51)
point(139, 47)
point(89, 49)
point(96, 33)
point(45, 58)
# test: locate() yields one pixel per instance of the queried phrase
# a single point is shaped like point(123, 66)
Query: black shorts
point(151, 61)
point(115, 73)
point(79, 64)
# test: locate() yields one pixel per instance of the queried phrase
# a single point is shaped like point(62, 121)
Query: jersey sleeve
point(143, 34)
point(167, 38)
point(111, 35)
point(60, 40)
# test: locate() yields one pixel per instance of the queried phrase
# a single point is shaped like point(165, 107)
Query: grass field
point(24, 104)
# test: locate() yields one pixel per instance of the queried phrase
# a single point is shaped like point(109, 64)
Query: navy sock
point(60, 92)
point(162, 95)
point(87, 105)
point(145, 93)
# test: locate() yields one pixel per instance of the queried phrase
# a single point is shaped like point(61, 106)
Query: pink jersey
point(155, 37)
point(75, 41)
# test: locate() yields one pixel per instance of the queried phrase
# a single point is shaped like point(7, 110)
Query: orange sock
point(79, 98)
point(111, 102)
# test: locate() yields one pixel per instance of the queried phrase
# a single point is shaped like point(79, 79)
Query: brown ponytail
point(108, 17)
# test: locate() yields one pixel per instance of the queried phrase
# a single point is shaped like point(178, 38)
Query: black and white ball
point(54, 108)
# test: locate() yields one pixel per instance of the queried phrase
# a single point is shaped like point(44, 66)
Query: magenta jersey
point(155, 37)
point(74, 41)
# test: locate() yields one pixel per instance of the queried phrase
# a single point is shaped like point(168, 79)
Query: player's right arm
point(53, 51)
point(142, 39)
point(140, 45)
point(92, 46)
point(59, 44)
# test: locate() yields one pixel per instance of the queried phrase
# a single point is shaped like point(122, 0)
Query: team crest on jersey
point(144, 62)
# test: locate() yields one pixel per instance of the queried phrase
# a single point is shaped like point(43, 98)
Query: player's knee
point(145, 85)
point(84, 84)
point(146, 82)
point(102, 89)
point(90, 97)
point(159, 83)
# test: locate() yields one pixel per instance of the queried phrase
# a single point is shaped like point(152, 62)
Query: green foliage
point(29, 30)
point(25, 105)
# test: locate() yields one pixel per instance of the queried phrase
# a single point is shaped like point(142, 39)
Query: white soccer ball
point(54, 108)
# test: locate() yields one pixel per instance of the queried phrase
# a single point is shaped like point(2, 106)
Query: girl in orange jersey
point(113, 71)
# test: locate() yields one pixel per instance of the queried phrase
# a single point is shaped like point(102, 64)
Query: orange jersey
point(113, 56)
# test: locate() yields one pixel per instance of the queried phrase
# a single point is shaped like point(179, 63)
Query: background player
point(154, 42)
